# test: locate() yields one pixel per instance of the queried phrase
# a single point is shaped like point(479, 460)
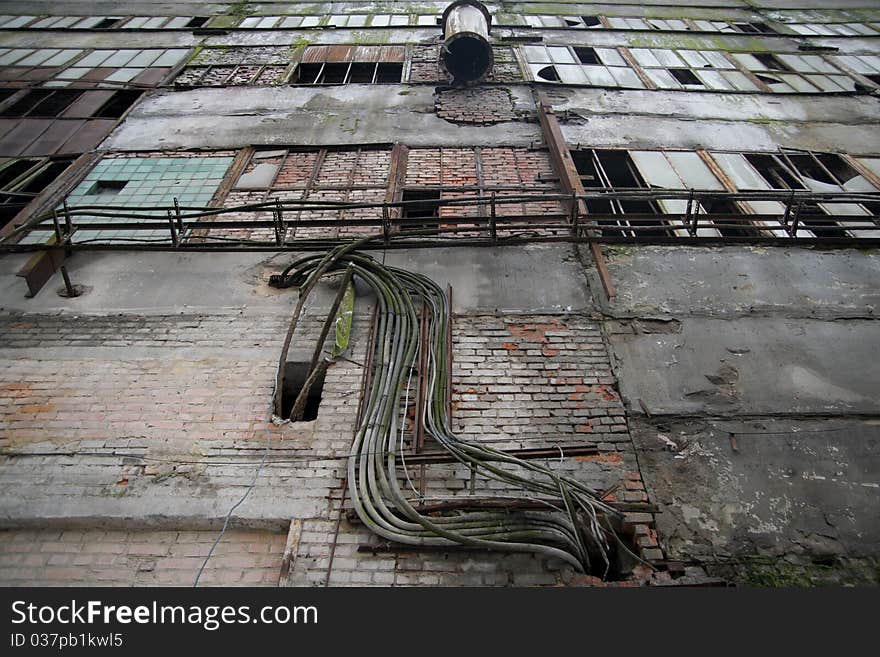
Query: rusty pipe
point(466, 53)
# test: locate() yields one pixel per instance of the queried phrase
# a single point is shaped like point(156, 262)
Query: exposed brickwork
point(170, 412)
point(95, 557)
point(481, 106)
point(425, 65)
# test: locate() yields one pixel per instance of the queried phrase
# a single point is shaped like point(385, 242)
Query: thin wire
point(250, 487)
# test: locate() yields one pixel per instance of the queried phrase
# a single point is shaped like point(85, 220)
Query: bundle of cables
point(575, 527)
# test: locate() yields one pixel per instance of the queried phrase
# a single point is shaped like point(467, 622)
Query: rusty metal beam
point(570, 180)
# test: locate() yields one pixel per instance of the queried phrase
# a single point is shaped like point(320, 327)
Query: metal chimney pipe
point(466, 53)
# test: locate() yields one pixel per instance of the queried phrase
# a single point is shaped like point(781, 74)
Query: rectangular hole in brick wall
point(295, 376)
point(107, 187)
point(422, 204)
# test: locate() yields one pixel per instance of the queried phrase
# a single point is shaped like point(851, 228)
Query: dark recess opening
point(106, 23)
point(334, 74)
point(197, 21)
point(586, 55)
point(422, 205)
point(549, 73)
point(40, 182)
point(754, 28)
point(684, 76)
point(776, 175)
point(295, 375)
point(770, 61)
point(308, 73)
point(107, 187)
point(591, 21)
point(27, 102)
point(727, 207)
point(362, 73)
point(12, 171)
point(388, 72)
point(117, 105)
point(874, 77)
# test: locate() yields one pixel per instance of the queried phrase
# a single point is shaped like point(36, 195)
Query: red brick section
point(95, 557)
point(480, 106)
point(309, 175)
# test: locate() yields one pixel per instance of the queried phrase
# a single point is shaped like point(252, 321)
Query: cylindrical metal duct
point(466, 52)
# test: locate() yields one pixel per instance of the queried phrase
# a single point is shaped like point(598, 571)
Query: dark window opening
point(118, 104)
point(754, 28)
point(615, 169)
point(773, 171)
point(819, 222)
point(591, 21)
point(334, 74)
point(308, 73)
point(106, 23)
point(295, 377)
point(766, 79)
point(197, 21)
point(27, 176)
point(6, 93)
point(684, 76)
point(549, 73)
point(13, 170)
point(107, 187)
point(26, 103)
point(726, 207)
point(421, 210)
point(572, 23)
point(770, 61)
point(42, 180)
point(55, 104)
point(362, 73)
point(874, 77)
point(587, 55)
point(808, 167)
point(389, 72)
point(838, 167)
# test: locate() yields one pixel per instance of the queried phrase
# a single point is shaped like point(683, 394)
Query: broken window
point(754, 28)
point(601, 67)
point(823, 172)
point(22, 179)
point(237, 66)
point(685, 69)
point(350, 65)
point(197, 21)
point(678, 171)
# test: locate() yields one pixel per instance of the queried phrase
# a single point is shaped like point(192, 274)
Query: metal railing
point(473, 217)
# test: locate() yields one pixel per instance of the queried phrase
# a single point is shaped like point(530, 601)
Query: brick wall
point(480, 106)
point(136, 422)
point(97, 557)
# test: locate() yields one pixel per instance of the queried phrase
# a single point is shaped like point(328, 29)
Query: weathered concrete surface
point(732, 281)
point(753, 366)
point(152, 283)
point(515, 279)
point(345, 114)
point(647, 131)
point(797, 487)
point(739, 108)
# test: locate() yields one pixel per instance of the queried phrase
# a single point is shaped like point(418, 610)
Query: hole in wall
point(295, 376)
point(549, 73)
point(107, 187)
point(685, 76)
